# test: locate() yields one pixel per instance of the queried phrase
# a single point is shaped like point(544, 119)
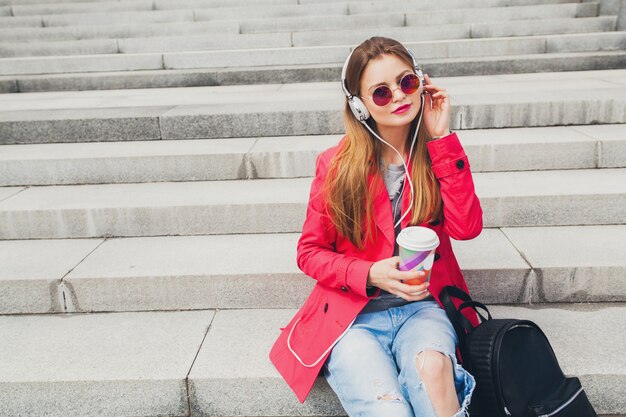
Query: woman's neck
point(396, 136)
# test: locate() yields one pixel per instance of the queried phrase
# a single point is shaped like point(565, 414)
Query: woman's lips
point(402, 109)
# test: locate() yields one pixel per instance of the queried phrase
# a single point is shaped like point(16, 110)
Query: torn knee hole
point(422, 357)
point(390, 397)
point(420, 360)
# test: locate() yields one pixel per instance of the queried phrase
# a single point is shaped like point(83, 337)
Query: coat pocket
point(569, 400)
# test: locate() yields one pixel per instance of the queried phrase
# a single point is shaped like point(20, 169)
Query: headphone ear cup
point(358, 109)
point(420, 75)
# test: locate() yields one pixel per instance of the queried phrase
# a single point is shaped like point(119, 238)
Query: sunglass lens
point(410, 83)
point(382, 96)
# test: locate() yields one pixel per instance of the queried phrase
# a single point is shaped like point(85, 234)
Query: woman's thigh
point(364, 376)
point(428, 330)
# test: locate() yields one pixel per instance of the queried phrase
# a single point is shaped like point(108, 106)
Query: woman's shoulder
point(326, 155)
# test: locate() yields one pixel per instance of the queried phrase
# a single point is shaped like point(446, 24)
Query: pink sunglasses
point(409, 84)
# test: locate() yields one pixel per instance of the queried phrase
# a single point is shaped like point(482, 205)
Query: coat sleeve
point(462, 214)
point(316, 254)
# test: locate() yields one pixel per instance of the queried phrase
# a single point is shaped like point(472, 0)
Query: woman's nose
point(397, 93)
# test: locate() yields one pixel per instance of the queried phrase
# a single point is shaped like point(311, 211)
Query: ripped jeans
point(373, 369)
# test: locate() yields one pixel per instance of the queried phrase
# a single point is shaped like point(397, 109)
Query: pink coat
point(341, 269)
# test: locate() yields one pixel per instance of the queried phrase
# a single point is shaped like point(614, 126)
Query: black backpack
point(516, 371)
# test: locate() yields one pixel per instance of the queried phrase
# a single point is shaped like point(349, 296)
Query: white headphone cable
point(406, 170)
point(406, 173)
point(323, 354)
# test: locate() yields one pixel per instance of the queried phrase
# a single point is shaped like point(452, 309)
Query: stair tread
point(228, 367)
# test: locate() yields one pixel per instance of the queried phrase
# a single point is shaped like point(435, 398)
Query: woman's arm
point(462, 214)
point(316, 255)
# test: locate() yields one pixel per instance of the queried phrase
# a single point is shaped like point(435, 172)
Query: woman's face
point(388, 70)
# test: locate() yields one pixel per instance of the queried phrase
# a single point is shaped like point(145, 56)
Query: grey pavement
point(143, 362)
point(489, 150)
point(315, 38)
point(270, 110)
point(584, 60)
point(230, 271)
point(155, 165)
point(152, 362)
point(522, 198)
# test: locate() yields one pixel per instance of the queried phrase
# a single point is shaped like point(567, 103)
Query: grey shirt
point(393, 177)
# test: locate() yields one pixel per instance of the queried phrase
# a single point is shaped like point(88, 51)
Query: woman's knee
point(434, 368)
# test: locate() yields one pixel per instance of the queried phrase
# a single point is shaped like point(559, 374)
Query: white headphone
point(362, 114)
point(356, 104)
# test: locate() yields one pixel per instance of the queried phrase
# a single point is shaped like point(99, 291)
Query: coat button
point(437, 256)
point(344, 289)
point(460, 164)
point(325, 307)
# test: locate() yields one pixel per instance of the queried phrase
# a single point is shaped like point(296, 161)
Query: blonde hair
point(345, 185)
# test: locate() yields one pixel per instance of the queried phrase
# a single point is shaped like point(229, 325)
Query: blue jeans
point(373, 368)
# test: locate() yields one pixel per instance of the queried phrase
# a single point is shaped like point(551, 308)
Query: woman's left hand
point(436, 109)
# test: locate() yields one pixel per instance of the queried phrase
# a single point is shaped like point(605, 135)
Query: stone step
point(202, 362)
point(222, 3)
point(89, 7)
point(208, 3)
point(68, 33)
point(515, 149)
point(237, 75)
point(63, 7)
point(153, 16)
point(462, 56)
point(148, 5)
point(411, 6)
point(48, 34)
point(299, 109)
point(293, 24)
point(262, 41)
point(424, 18)
point(8, 21)
point(227, 41)
point(471, 30)
point(161, 3)
point(17, 2)
point(509, 265)
point(237, 8)
point(518, 198)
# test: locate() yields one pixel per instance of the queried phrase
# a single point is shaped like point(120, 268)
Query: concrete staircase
point(148, 234)
point(165, 43)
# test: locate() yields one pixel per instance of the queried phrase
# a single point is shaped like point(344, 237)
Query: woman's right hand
point(385, 275)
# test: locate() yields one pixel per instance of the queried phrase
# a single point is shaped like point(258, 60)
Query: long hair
point(349, 201)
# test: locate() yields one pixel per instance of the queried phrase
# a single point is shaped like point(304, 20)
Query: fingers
point(410, 292)
point(433, 90)
point(436, 92)
point(408, 285)
point(411, 278)
point(391, 261)
point(401, 276)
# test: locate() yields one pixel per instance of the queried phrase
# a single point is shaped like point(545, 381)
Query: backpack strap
point(454, 317)
point(459, 321)
point(462, 325)
point(474, 304)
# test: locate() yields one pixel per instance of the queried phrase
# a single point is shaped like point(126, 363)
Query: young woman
point(385, 347)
